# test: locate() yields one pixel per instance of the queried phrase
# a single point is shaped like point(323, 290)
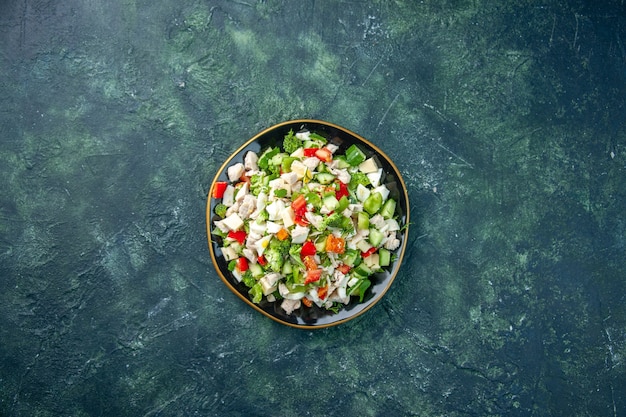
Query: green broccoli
point(275, 259)
point(291, 143)
point(220, 209)
point(333, 220)
point(357, 178)
point(276, 253)
point(282, 246)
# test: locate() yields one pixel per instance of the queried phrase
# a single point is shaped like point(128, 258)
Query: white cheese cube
point(233, 222)
point(367, 166)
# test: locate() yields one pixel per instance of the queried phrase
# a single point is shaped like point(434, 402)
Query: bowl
point(314, 317)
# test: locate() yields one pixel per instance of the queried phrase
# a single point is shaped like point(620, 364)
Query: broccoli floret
point(291, 143)
point(220, 210)
point(275, 259)
point(276, 253)
point(282, 246)
point(357, 178)
point(333, 220)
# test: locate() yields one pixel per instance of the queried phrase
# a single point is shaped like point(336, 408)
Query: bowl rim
point(379, 152)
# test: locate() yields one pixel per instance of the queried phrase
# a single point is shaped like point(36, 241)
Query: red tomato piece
point(343, 268)
point(322, 292)
point(261, 260)
point(242, 264)
point(342, 191)
point(238, 235)
point(308, 152)
point(308, 249)
point(369, 252)
point(219, 188)
point(309, 263)
point(313, 276)
point(299, 204)
point(324, 154)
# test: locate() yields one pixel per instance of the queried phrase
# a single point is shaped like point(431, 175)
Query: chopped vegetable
point(219, 188)
point(306, 224)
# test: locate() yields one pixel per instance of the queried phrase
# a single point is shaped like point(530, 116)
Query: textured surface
point(506, 121)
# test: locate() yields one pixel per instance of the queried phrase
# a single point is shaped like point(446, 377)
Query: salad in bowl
point(306, 222)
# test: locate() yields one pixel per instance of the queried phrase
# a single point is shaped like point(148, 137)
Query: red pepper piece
point(219, 188)
point(238, 235)
point(262, 260)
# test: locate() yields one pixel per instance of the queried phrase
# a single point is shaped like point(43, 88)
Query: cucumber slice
point(324, 177)
point(384, 257)
point(375, 237)
point(389, 209)
point(362, 221)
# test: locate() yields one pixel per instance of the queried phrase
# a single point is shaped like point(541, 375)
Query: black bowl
point(314, 317)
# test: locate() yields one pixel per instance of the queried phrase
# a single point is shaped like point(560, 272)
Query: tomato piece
point(308, 249)
point(301, 221)
point(322, 292)
point(313, 275)
point(242, 264)
point(324, 154)
point(238, 235)
point(335, 244)
point(262, 260)
point(343, 268)
point(299, 204)
point(368, 252)
point(308, 152)
point(342, 191)
point(219, 188)
point(309, 263)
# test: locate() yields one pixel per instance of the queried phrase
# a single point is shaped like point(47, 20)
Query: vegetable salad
point(303, 225)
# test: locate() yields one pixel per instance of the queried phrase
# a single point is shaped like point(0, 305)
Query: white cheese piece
point(367, 166)
point(233, 222)
point(375, 177)
point(229, 253)
point(288, 217)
